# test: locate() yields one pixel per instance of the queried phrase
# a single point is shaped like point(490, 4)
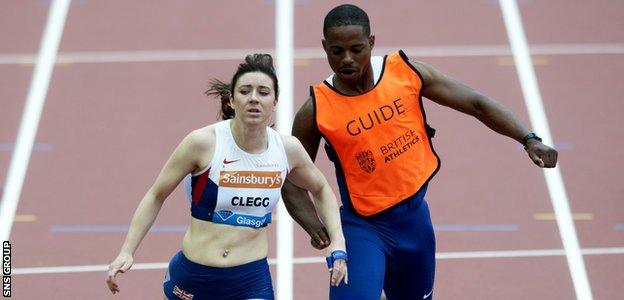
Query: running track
point(128, 85)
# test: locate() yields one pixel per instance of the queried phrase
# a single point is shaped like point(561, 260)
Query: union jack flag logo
point(184, 295)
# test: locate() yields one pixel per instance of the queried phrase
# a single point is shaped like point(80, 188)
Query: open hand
point(337, 265)
point(121, 264)
point(339, 272)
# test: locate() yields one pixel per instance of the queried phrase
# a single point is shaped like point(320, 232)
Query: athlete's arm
point(296, 199)
point(449, 92)
point(184, 160)
point(306, 175)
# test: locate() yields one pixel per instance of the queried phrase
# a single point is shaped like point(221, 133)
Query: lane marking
point(321, 260)
point(298, 2)
point(552, 217)
point(538, 60)
point(284, 48)
point(47, 2)
point(476, 227)
point(25, 218)
point(554, 181)
point(304, 54)
point(112, 228)
point(38, 147)
point(182, 228)
point(32, 113)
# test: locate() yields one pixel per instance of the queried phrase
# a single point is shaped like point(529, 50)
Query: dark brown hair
point(257, 62)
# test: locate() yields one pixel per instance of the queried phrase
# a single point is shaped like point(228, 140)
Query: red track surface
point(111, 126)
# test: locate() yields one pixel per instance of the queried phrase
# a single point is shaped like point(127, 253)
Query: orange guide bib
point(380, 137)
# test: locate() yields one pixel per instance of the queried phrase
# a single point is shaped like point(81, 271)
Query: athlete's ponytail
point(221, 90)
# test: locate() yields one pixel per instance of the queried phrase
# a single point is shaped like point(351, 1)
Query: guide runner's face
point(348, 51)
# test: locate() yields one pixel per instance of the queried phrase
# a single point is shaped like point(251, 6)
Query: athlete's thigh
point(410, 267)
point(411, 277)
point(366, 265)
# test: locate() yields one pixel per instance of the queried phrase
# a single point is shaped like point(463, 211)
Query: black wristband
point(530, 135)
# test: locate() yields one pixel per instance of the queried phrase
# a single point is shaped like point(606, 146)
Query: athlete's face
point(254, 97)
point(348, 51)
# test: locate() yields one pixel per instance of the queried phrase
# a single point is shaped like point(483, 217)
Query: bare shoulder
point(426, 71)
point(304, 121)
point(295, 152)
point(306, 112)
point(305, 127)
point(198, 147)
point(291, 144)
point(201, 139)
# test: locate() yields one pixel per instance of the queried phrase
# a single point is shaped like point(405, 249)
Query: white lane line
point(32, 113)
point(572, 49)
point(307, 53)
point(554, 181)
point(284, 47)
point(318, 260)
point(83, 268)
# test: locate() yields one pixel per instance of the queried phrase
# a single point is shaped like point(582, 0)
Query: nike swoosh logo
point(225, 161)
point(427, 296)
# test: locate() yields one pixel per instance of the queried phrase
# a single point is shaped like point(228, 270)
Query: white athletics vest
point(239, 188)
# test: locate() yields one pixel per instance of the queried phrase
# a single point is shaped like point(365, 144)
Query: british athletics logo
point(366, 160)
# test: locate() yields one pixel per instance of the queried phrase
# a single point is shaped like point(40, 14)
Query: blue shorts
point(393, 250)
point(189, 280)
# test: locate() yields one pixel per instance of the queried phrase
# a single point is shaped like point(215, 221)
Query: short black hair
point(346, 14)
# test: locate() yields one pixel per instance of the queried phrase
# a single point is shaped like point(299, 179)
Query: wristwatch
point(530, 135)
